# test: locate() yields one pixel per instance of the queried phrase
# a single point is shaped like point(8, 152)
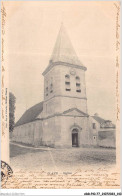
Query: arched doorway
point(75, 137)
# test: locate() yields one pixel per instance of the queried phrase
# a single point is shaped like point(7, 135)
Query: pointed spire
point(64, 53)
point(63, 50)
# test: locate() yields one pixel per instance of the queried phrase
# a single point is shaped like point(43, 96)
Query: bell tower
point(64, 79)
point(65, 118)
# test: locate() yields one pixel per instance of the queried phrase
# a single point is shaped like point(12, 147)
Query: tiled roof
point(99, 119)
point(30, 114)
point(102, 121)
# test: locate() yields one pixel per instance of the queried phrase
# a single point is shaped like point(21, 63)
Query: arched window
point(51, 86)
point(67, 83)
point(78, 85)
point(67, 77)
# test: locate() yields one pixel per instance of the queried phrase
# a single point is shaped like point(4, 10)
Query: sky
point(32, 29)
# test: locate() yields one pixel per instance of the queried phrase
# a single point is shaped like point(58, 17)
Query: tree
point(12, 101)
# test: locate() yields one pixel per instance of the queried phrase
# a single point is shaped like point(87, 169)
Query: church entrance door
point(74, 138)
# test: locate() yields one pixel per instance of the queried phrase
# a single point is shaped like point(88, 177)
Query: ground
point(43, 158)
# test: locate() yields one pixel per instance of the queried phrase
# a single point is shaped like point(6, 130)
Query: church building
point(62, 119)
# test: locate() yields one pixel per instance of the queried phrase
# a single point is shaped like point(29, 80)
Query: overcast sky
point(32, 29)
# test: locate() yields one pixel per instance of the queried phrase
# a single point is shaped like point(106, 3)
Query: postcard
point(60, 95)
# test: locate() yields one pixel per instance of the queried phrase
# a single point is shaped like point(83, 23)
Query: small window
point(79, 91)
point(78, 85)
point(67, 76)
point(67, 83)
point(94, 139)
point(94, 126)
point(46, 89)
point(51, 85)
point(68, 89)
point(51, 88)
point(78, 78)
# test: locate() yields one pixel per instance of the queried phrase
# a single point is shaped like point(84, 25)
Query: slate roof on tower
point(64, 52)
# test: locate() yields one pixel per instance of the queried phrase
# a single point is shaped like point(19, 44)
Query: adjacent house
point(102, 132)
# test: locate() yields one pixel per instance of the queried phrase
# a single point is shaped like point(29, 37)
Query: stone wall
point(52, 131)
point(57, 132)
point(30, 133)
point(101, 137)
point(107, 138)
